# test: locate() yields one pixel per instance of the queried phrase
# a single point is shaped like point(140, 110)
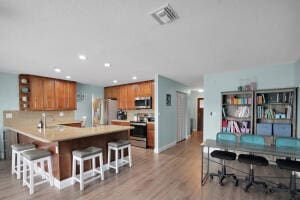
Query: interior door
point(200, 111)
point(181, 116)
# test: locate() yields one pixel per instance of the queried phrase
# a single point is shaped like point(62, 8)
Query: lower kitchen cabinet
point(120, 123)
point(150, 135)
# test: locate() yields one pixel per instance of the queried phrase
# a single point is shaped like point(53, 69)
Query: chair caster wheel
point(211, 177)
point(236, 183)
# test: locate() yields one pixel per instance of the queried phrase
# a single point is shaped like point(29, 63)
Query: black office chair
point(253, 160)
point(224, 155)
point(290, 165)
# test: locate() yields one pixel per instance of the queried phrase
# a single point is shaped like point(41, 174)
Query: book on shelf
point(242, 111)
point(289, 112)
point(237, 127)
point(238, 101)
point(224, 113)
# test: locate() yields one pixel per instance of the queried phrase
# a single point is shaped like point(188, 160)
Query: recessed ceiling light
point(68, 77)
point(115, 81)
point(134, 77)
point(106, 64)
point(57, 70)
point(82, 57)
point(201, 90)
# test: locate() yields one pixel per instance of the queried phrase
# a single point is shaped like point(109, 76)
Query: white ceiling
point(210, 36)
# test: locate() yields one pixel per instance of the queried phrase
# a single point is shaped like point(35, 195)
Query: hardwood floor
point(173, 174)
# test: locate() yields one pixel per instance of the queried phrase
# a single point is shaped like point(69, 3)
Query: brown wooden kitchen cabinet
point(71, 95)
point(150, 135)
point(120, 123)
point(111, 92)
point(60, 94)
point(46, 93)
point(36, 94)
point(122, 100)
point(49, 94)
point(131, 94)
point(125, 94)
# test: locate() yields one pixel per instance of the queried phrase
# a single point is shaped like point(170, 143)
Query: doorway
point(200, 111)
point(181, 115)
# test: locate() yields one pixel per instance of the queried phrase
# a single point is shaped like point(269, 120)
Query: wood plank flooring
point(173, 174)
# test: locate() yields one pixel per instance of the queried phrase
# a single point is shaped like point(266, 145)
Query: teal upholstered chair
point(287, 164)
point(252, 159)
point(224, 155)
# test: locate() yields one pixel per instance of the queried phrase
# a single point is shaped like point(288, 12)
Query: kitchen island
point(62, 140)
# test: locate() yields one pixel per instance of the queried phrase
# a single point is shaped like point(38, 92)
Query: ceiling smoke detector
point(165, 14)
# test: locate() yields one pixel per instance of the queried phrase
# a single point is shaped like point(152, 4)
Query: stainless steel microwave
point(143, 103)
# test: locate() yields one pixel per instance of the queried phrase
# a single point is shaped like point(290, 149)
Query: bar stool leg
point(31, 184)
point(94, 165)
point(43, 169)
point(73, 170)
point(24, 172)
point(101, 166)
point(129, 156)
point(13, 162)
point(81, 175)
point(116, 160)
point(50, 174)
point(108, 159)
point(122, 154)
point(18, 165)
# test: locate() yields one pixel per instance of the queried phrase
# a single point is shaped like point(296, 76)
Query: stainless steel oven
point(138, 135)
point(143, 103)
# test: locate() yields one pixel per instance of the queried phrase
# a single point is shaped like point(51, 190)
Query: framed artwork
point(168, 99)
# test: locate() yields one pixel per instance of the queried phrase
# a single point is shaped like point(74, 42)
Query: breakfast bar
point(61, 140)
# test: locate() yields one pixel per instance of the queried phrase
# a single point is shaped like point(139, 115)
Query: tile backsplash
point(131, 113)
point(33, 117)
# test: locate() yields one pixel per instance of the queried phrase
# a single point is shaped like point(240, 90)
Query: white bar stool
point(116, 146)
point(90, 153)
point(34, 158)
point(16, 154)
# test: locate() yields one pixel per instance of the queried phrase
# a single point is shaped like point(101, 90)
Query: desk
point(248, 148)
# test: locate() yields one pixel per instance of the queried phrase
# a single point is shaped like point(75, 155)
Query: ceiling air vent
point(165, 14)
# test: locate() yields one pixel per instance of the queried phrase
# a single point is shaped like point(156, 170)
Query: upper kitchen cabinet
point(49, 94)
point(111, 92)
point(122, 100)
point(125, 94)
point(60, 94)
point(144, 89)
point(42, 93)
point(131, 94)
point(36, 97)
point(71, 95)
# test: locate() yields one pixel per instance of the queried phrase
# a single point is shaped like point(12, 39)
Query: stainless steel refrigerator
point(104, 110)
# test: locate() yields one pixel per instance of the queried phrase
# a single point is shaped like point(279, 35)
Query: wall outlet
point(8, 116)
point(61, 114)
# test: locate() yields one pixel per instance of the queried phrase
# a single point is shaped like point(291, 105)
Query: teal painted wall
point(84, 108)
point(297, 80)
point(9, 95)
point(192, 106)
point(278, 76)
point(165, 129)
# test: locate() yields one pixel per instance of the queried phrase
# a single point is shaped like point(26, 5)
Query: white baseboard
point(159, 150)
point(68, 182)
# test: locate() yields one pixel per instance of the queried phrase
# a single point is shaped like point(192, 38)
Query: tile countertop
point(61, 133)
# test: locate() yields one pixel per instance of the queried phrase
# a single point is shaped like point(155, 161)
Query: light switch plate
point(8, 116)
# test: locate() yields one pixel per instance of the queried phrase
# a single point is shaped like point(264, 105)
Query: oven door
point(140, 130)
